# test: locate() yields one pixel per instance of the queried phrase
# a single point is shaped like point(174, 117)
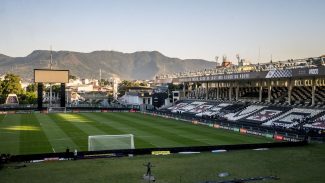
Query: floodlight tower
point(224, 60)
point(100, 77)
point(238, 59)
point(51, 60)
point(51, 67)
point(216, 58)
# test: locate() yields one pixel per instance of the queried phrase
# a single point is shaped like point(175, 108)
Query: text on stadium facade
point(301, 72)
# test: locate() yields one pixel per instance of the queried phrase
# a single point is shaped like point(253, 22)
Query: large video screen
point(51, 76)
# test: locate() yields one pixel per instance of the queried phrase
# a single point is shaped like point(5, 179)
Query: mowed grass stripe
point(177, 127)
point(159, 138)
point(115, 128)
point(9, 133)
point(59, 131)
point(91, 126)
point(167, 133)
point(208, 134)
point(58, 139)
point(143, 138)
point(32, 138)
point(82, 123)
point(1, 117)
point(79, 137)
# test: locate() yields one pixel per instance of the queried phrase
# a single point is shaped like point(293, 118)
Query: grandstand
point(287, 95)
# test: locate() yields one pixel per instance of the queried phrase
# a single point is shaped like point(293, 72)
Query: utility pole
point(100, 77)
point(51, 64)
point(259, 54)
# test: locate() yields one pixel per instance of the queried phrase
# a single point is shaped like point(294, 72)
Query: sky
point(188, 29)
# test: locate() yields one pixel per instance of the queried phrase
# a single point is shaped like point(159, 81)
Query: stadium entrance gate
point(50, 76)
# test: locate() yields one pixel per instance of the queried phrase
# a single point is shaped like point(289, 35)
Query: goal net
point(56, 110)
point(110, 142)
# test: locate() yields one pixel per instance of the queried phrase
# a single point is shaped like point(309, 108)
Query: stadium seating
point(318, 123)
point(249, 92)
point(265, 114)
point(301, 95)
point(214, 110)
point(320, 94)
point(243, 113)
point(178, 105)
point(271, 115)
point(233, 108)
point(293, 117)
point(279, 94)
point(186, 107)
point(200, 108)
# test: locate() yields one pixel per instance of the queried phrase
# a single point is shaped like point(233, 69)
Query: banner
point(291, 139)
point(278, 137)
point(254, 132)
point(160, 152)
point(243, 130)
point(227, 127)
point(269, 135)
point(216, 126)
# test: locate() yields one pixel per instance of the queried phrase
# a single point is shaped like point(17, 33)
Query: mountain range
point(130, 66)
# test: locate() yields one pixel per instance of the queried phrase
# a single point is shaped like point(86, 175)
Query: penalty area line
point(53, 149)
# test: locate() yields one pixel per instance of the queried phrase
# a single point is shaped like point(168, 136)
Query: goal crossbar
point(110, 142)
point(56, 109)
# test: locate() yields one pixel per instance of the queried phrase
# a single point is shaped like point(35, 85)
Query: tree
point(55, 89)
point(125, 84)
point(28, 98)
point(106, 82)
point(11, 84)
point(72, 77)
point(144, 84)
point(172, 87)
point(1, 96)
point(31, 87)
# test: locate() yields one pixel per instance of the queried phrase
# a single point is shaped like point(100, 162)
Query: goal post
point(110, 142)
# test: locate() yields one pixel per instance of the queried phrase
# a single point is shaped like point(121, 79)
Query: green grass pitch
point(296, 164)
point(45, 133)
point(38, 133)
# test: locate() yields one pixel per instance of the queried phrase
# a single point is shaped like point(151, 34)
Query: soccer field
point(45, 133)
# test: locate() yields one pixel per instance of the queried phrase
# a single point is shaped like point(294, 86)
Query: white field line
point(4, 117)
